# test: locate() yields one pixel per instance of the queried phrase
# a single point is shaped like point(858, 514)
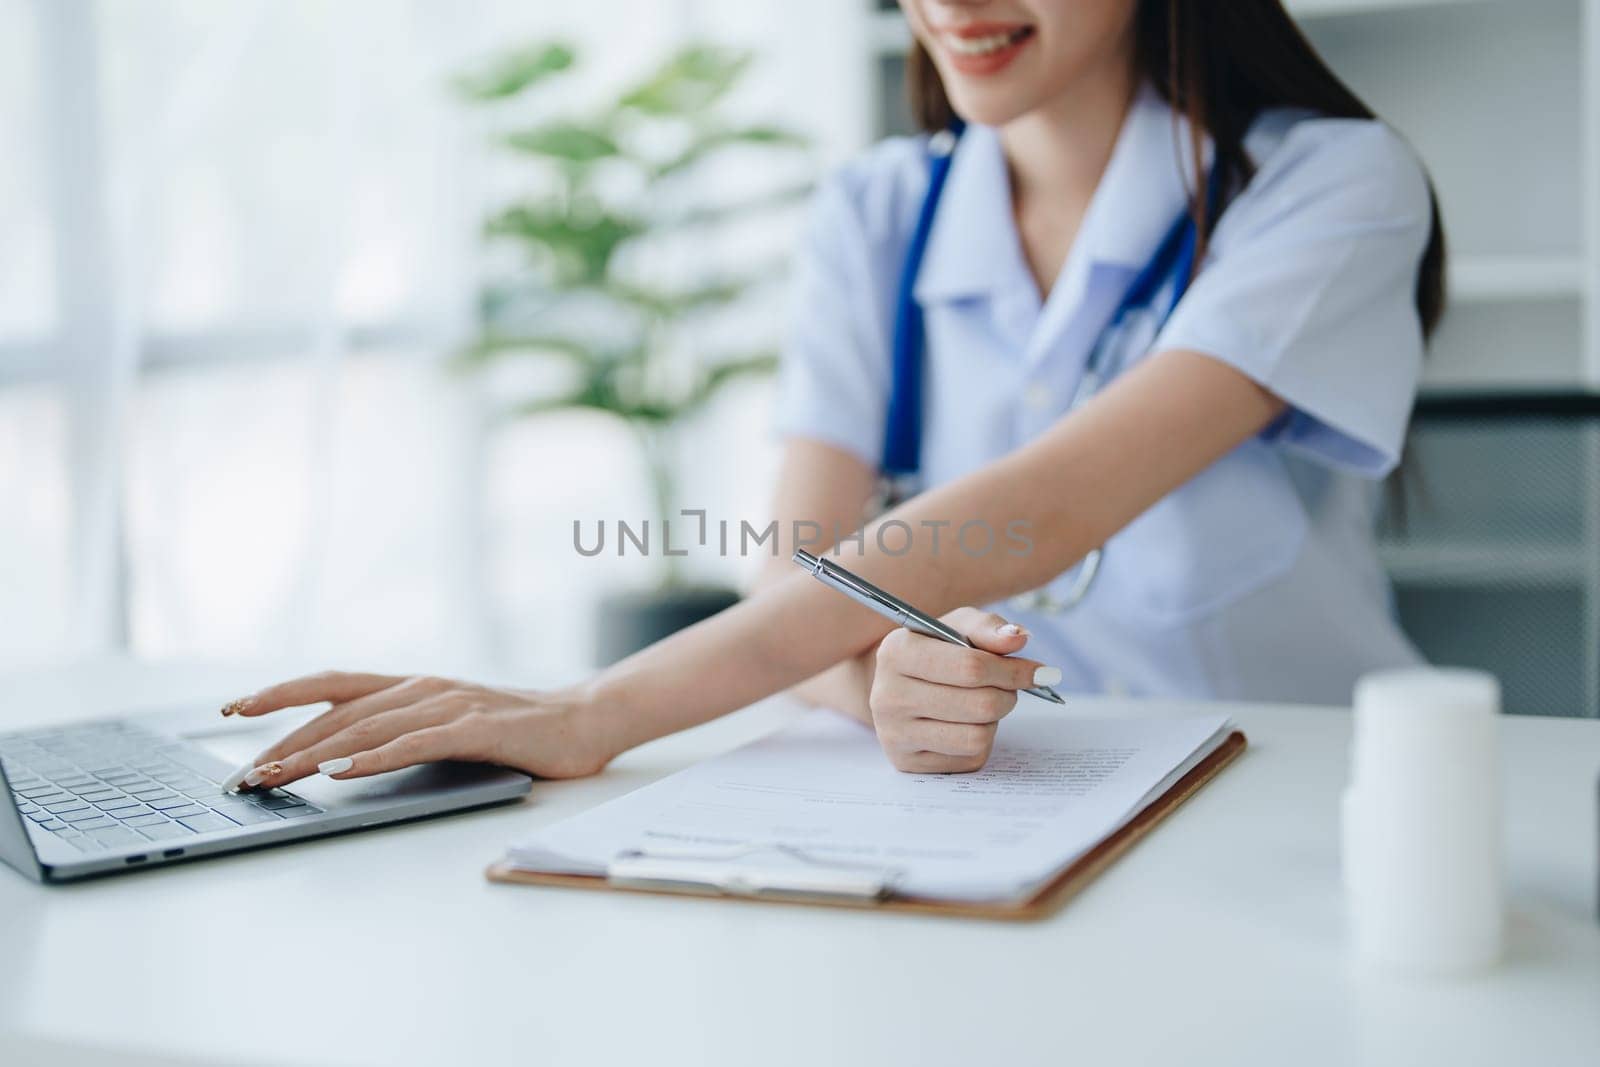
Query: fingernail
point(1047, 676)
point(232, 782)
point(1011, 629)
point(261, 774)
point(234, 707)
point(335, 766)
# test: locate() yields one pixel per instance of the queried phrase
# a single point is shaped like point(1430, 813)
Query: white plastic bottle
point(1422, 823)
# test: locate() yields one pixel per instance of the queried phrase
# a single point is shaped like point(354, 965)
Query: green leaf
point(668, 303)
point(728, 370)
point(545, 405)
point(516, 71)
point(711, 141)
point(653, 412)
point(688, 82)
point(569, 142)
point(577, 245)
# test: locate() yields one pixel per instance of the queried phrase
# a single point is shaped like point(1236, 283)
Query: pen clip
point(884, 603)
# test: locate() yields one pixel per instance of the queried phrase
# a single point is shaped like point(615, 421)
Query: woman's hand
point(381, 723)
point(936, 705)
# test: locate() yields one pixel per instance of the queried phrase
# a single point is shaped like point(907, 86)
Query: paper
point(1054, 787)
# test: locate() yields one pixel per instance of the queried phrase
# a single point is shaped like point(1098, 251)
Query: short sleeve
point(1309, 287)
point(833, 383)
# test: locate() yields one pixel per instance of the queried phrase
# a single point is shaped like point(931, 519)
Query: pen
point(893, 608)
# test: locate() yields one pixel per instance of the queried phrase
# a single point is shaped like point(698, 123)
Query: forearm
point(792, 628)
point(778, 637)
point(1160, 424)
point(1157, 426)
point(843, 686)
point(789, 630)
point(821, 491)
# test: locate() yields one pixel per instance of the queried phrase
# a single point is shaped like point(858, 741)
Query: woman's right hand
point(936, 705)
point(379, 723)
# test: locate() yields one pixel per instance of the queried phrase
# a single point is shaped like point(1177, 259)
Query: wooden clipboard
point(1046, 902)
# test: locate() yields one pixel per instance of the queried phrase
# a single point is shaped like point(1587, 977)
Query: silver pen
point(894, 609)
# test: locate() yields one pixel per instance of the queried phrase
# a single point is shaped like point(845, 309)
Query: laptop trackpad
point(231, 743)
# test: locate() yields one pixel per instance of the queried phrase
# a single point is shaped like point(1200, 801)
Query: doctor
point(1153, 289)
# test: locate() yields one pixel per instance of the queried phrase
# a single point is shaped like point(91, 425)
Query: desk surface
point(1218, 939)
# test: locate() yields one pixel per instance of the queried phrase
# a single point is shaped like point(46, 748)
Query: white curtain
point(237, 242)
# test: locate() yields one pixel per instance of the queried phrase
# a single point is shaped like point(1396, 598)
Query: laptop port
point(172, 853)
point(136, 859)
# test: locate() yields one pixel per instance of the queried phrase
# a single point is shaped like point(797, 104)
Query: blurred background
point(255, 408)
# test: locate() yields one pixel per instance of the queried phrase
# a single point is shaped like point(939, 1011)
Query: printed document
point(821, 793)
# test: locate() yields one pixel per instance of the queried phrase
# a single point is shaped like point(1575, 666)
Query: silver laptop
point(123, 794)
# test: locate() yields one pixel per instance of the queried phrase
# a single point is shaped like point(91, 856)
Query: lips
point(983, 48)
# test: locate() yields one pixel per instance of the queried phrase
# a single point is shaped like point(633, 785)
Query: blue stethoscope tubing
point(902, 446)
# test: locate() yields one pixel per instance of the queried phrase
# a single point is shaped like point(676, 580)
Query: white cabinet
point(1499, 97)
point(1500, 564)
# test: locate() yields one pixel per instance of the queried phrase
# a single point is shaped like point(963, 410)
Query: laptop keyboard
point(104, 786)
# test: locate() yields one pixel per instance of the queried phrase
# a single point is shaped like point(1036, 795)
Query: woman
point(1286, 258)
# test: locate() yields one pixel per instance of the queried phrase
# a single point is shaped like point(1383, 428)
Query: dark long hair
point(1220, 63)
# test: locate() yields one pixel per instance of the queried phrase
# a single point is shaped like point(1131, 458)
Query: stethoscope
point(1135, 315)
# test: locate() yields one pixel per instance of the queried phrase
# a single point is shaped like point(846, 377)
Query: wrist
point(846, 687)
point(597, 721)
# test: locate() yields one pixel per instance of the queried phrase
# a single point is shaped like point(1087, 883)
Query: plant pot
point(631, 621)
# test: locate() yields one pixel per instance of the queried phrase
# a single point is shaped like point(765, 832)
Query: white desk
point(1217, 940)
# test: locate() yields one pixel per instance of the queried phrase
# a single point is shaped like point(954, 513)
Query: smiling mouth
point(988, 44)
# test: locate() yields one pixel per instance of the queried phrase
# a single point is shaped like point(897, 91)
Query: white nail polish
point(335, 766)
point(256, 776)
point(233, 781)
point(1011, 629)
point(1047, 676)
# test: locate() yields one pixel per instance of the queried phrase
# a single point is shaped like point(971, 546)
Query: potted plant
point(607, 188)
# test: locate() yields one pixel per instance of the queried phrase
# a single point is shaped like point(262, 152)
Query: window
point(240, 241)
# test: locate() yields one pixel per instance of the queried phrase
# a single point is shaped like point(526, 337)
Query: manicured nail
point(1047, 676)
point(234, 707)
point(335, 766)
point(232, 782)
point(1011, 629)
point(261, 774)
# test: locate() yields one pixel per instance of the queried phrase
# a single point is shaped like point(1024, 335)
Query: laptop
point(123, 794)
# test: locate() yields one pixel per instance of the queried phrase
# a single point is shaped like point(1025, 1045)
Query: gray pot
point(631, 621)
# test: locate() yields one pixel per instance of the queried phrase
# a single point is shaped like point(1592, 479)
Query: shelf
point(1477, 566)
point(1478, 279)
point(1313, 9)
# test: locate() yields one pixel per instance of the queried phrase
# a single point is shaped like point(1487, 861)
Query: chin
point(989, 108)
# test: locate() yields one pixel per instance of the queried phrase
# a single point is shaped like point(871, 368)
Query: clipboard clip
point(765, 870)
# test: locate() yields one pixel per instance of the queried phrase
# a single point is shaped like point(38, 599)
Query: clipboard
point(663, 875)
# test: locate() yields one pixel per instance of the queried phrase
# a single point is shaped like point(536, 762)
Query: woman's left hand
point(382, 723)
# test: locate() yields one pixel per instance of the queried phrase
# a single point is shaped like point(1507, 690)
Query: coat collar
point(973, 248)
